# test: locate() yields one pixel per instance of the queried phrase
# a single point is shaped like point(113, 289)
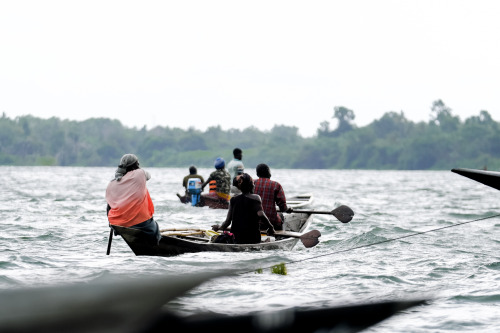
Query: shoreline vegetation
point(389, 143)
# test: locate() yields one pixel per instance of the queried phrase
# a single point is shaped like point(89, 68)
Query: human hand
point(215, 227)
point(289, 210)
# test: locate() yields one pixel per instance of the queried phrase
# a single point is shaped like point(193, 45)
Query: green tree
point(393, 125)
point(442, 116)
point(391, 142)
point(344, 118)
point(324, 129)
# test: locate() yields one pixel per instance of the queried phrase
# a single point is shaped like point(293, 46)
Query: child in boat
point(245, 214)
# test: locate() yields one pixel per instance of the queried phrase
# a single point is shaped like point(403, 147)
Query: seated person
point(193, 173)
point(222, 183)
point(235, 168)
point(129, 203)
point(234, 188)
point(245, 214)
point(272, 195)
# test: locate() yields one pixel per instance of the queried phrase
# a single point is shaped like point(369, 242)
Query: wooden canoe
point(215, 204)
point(299, 201)
point(296, 201)
point(175, 244)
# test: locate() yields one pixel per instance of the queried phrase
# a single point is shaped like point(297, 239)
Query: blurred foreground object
point(118, 305)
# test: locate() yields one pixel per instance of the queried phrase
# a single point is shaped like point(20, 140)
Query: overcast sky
point(242, 63)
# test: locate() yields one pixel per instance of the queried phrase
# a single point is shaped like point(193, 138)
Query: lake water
point(55, 231)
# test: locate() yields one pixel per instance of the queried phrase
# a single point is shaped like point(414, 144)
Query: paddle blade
point(310, 239)
point(343, 213)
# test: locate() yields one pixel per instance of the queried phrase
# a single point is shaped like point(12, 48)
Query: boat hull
point(141, 245)
point(204, 202)
point(299, 201)
point(296, 201)
point(489, 178)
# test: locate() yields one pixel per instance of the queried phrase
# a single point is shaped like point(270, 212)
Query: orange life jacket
point(212, 186)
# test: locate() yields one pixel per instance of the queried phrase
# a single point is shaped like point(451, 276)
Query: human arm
point(206, 182)
point(266, 222)
point(227, 222)
point(280, 200)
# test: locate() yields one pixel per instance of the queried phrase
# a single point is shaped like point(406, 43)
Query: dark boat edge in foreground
point(121, 305)
point(489, 178)
point(350, 318)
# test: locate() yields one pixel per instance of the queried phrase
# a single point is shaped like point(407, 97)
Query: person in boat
point(220, 183)
point(235, 167)
point(272, 195)
point(129, 202)
point(245, 214)
point(193, 173)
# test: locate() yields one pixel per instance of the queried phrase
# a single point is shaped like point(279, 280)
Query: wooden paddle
point(309, 239)
point(109, 242)
point(343, 213)
point(182, 233)
point(182, 229)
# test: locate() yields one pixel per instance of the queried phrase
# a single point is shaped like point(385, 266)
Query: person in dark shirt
point(245, 214)
point(272, 195)
point(193, 173)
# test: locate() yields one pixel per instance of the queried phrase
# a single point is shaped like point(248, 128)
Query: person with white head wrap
point(129, 202)
point(128, 161)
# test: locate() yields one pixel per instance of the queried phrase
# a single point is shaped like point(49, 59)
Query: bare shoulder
point(254, 197)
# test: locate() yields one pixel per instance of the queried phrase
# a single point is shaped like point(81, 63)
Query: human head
point(245, 183)
point(192, 170)
point(237, 153)
point(128, 162)
point(263, 171)
point(219, 163)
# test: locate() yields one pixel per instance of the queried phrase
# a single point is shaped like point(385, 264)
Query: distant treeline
point(391, 142)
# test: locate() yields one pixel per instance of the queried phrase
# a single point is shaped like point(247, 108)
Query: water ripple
point(54, 230)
